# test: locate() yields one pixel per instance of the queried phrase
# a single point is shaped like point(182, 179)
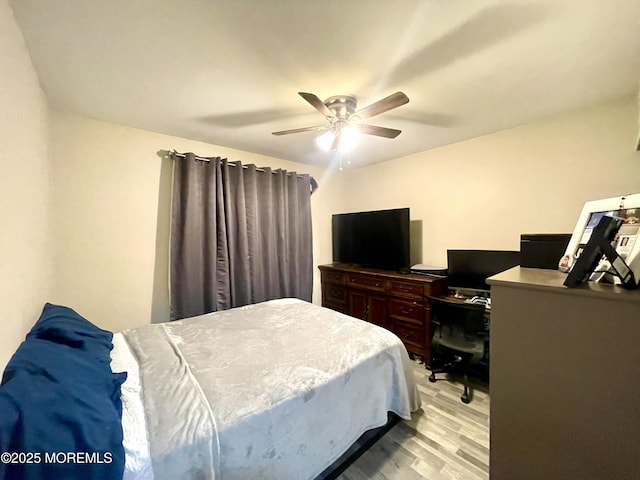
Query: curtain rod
point(167, 153)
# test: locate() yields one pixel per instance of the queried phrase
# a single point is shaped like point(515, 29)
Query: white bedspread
point(277, 390)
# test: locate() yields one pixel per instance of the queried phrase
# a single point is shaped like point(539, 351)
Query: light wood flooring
point(444, 440)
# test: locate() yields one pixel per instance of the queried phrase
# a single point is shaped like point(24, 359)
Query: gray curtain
point(239, 235)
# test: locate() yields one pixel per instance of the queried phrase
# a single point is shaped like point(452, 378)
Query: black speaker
point(542, 250)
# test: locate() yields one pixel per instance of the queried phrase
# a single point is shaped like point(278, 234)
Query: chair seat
point(457, 339)
point(461, 345)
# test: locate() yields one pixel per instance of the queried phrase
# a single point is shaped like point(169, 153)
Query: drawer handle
point(355, 280)
point(406, 312)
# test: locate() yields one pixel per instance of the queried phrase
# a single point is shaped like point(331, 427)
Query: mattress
point(273, 390)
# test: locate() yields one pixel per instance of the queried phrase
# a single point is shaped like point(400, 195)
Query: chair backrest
point(463, 318)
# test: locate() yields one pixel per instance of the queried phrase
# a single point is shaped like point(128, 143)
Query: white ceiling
point(228, 72)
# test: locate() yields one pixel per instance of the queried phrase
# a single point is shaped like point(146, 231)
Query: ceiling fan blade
point(392, 101)
point(298, 130)
point(380, 131)
point(317, 104)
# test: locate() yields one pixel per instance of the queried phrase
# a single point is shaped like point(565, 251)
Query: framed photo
point(626, 242)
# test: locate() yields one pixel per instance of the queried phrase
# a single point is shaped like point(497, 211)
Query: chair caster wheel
point(432, 378)
point(465, 399)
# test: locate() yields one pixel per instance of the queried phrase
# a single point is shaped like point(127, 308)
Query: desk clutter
point(486, 301)
point(422, 269)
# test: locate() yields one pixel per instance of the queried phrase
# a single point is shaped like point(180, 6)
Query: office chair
point(458, 338)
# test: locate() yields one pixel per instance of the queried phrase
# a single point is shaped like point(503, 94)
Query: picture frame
point(626, 242)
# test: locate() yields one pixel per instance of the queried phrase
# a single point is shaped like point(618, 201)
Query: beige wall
point(111, 216)
point(25, 248)
point(485, 192)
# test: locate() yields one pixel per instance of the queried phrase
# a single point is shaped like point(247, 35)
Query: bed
point(276, 390)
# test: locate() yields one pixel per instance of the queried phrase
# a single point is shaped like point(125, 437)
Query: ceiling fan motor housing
point(342, 106)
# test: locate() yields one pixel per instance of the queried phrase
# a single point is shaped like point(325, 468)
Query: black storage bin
point(542, 250)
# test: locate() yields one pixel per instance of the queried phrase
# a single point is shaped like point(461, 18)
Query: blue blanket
point(60, 408)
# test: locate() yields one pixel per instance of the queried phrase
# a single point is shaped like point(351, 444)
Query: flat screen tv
point(468, 270)
point(375, 239)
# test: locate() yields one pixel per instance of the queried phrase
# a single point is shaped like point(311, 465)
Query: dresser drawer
point(411, 335)
point(406, 289)
point(366, 281)
point(330, 276)
point(334, 294)
point(412, 312)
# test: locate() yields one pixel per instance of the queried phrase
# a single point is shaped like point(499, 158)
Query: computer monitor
point(468, 270)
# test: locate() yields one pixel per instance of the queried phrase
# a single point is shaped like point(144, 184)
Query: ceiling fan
point(344, 119)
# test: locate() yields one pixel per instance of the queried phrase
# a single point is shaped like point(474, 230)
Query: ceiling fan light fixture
point(325, 140)
point(349, 138)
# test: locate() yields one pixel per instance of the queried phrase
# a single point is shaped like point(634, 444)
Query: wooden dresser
point(397, 302)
